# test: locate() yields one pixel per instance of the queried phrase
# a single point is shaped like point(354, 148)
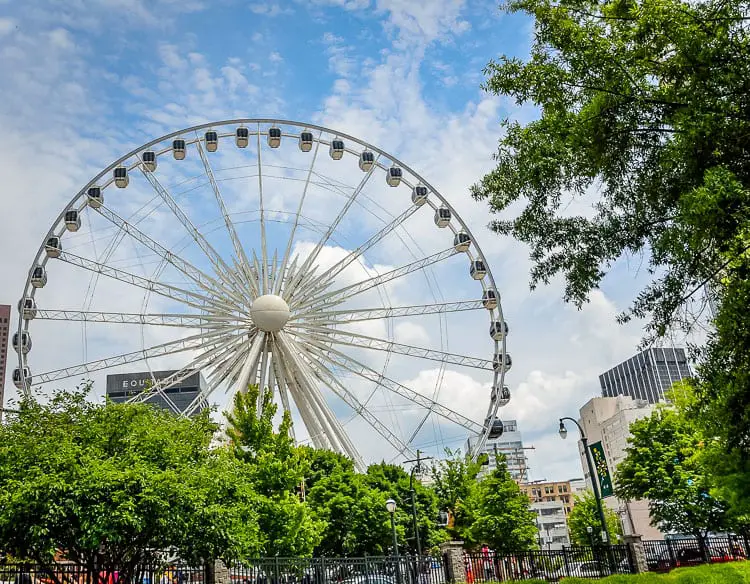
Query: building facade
point(543, 491)
point(123, 386)
point(4, 340)
point(510, 445)
point(578, 486)
point(607, 420)
point(647, 375)
point(551, 523)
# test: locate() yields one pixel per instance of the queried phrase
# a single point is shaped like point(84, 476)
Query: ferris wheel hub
point(270, 313)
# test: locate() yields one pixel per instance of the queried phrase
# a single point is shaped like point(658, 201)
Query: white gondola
point(393, 176)
point(461, 241)
point(178, 149)
point(22, 342)
point(498, 364)
point(72, 220)
point(504, 397)
point(18, 378)
point(121, 177)
point(149, 160)
point(242, 137)
point(489, 299)
point(305, 141)
point(496, 429)
point(27, 308)
point(366, 161)
point(38, 277)
point(478, 270)
point(274, 138)
point(212, 141)
point(442, 216)
point(419, 195)
point(53, 247)
point(498, 330)
point(336, 149)
point(96, 197)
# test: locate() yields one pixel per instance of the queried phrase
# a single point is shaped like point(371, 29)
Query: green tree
point(666, 464)
point(500, 512)
point(109, 484)
point(644, 119)
point(454, 479)
point(584, 514)
point(277, 469)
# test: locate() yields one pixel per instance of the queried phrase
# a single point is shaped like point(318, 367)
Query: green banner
point(600, 464)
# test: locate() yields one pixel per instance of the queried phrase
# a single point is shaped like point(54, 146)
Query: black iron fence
point(69, 573)
point(663, 555)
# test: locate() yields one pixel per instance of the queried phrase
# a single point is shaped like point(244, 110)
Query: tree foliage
point(454, 480)
point(585, 514)
point(110, 484)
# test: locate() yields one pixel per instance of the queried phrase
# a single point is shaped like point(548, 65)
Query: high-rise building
point(647, 375)
point(545, 491)
point(510, 444)
point(123, 386)
point(551, 523)
point(4, 335)
point(606, 421)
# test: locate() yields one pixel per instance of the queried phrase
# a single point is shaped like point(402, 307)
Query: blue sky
point(84, 81)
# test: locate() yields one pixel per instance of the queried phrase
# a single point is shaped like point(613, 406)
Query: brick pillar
point(637, 553)
point(453, 557)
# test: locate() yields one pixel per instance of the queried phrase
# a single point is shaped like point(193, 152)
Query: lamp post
point(590, 531)
point(594, 485)
point(416, 468)
point(390, 506)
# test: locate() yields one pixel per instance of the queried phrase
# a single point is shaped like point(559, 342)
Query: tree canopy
point(585, 514)
point(454, 480)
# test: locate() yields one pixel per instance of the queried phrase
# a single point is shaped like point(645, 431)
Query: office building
point(544, 491)
point(123, 386)
point(4, 340)
point(606, 420)
point(647, 375)
point(552, 524)
point(578, 486)
point(510, 445)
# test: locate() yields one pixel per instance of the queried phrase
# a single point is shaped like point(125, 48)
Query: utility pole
point(416, 467)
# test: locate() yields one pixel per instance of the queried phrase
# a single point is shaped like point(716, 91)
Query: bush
point(731, 573)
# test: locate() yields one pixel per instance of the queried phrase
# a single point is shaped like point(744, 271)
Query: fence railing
point(663, 555)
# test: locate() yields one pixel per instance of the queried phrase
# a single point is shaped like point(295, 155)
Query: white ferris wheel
point(279, 253)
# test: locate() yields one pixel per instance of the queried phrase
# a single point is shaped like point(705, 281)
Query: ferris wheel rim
point(41, 258)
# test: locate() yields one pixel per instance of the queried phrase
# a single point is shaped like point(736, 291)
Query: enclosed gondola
point(21, 343)
point(498, 330)
point(179, 149)
point(242, 137)
point(121, 177)
point(500, 364)
point(478, 270)
point(461, 241)
point(419, 195)
point(393, 176)
point(274, 137)
point(336, 149)
point(38, 277)
point(72, 220)
point(305, 141)
point(212, 141)
point(95, 196)
point(18, 377)
point(53, 247)
point(489, 299)
point(366, 160)
point(27, 308)
point(149, 160)
point(496, 428)
point(442, 216)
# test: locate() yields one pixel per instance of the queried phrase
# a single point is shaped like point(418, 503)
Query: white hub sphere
point(270, 313)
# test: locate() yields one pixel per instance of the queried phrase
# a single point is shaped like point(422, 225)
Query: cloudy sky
point(86, 81)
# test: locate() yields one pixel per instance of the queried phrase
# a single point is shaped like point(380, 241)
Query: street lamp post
point(590, 531)
point(390, 506)
point(594, 485)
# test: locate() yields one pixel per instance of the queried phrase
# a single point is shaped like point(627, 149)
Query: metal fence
point(550, 565)
point(663, 555)
point(68, 573)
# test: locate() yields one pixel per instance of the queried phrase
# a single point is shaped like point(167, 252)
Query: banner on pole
point(602, 471)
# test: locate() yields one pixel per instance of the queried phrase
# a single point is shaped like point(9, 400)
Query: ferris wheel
point(282, 254)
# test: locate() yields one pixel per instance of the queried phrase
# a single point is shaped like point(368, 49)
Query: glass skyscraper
point(121, 387)
point(647, 375)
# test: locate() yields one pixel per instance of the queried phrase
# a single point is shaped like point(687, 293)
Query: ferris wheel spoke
point(154, 319)
point(366, 342)
point(281, 385)
point(250, 366)
point(187, 297)
point(339, 359)
point(342, 294)
point(363, 314)
point(327, 277)
point(203, 280)
point(328, 377)
point(229, 364)
point(187, 344)
point(236, 243)
point(310, 260)
point(298, 214)
point(222, 270)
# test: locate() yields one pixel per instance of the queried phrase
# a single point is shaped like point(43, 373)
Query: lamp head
point(390, 505)
point(563, 430)
point(590, 529)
